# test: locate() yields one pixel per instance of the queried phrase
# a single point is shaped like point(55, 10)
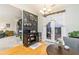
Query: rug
point(36, 45)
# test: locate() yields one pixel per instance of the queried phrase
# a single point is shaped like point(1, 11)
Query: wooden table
point(54, 50)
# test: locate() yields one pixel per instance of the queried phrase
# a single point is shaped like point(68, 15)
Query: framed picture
point(8, 25)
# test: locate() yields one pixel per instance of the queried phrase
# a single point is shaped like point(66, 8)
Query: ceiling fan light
point(49, 10)
point(41, 11)
point(46, 12)
point(44, 9)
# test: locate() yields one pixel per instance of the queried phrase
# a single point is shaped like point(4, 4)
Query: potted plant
point(74, 34)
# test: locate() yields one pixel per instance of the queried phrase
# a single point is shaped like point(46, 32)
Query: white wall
point(9, 12)
point(9, 15)
point(40, 23)
point(71, 18)
point(12, 22)
point(27, 7)
point(58, 18)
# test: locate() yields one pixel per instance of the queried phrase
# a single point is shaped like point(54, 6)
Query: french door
point(50, 31)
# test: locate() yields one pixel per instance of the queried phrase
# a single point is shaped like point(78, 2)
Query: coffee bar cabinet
point(30, 29)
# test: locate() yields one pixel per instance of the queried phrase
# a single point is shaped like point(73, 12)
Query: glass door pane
point(48, 29)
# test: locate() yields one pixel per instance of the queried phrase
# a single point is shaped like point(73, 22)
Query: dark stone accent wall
point(32, 19)
point(30, 27)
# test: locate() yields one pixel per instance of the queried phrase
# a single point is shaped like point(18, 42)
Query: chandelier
point(47, 9)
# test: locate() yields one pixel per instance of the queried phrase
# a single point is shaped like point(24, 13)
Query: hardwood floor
point(21, 50)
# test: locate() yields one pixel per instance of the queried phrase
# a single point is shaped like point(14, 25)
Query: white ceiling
point(15, 11)
point(35, 8)
point(53, 7)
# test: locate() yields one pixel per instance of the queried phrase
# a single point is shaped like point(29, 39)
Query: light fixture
point(42, 11)
point(46, 9)
point(49, 9)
